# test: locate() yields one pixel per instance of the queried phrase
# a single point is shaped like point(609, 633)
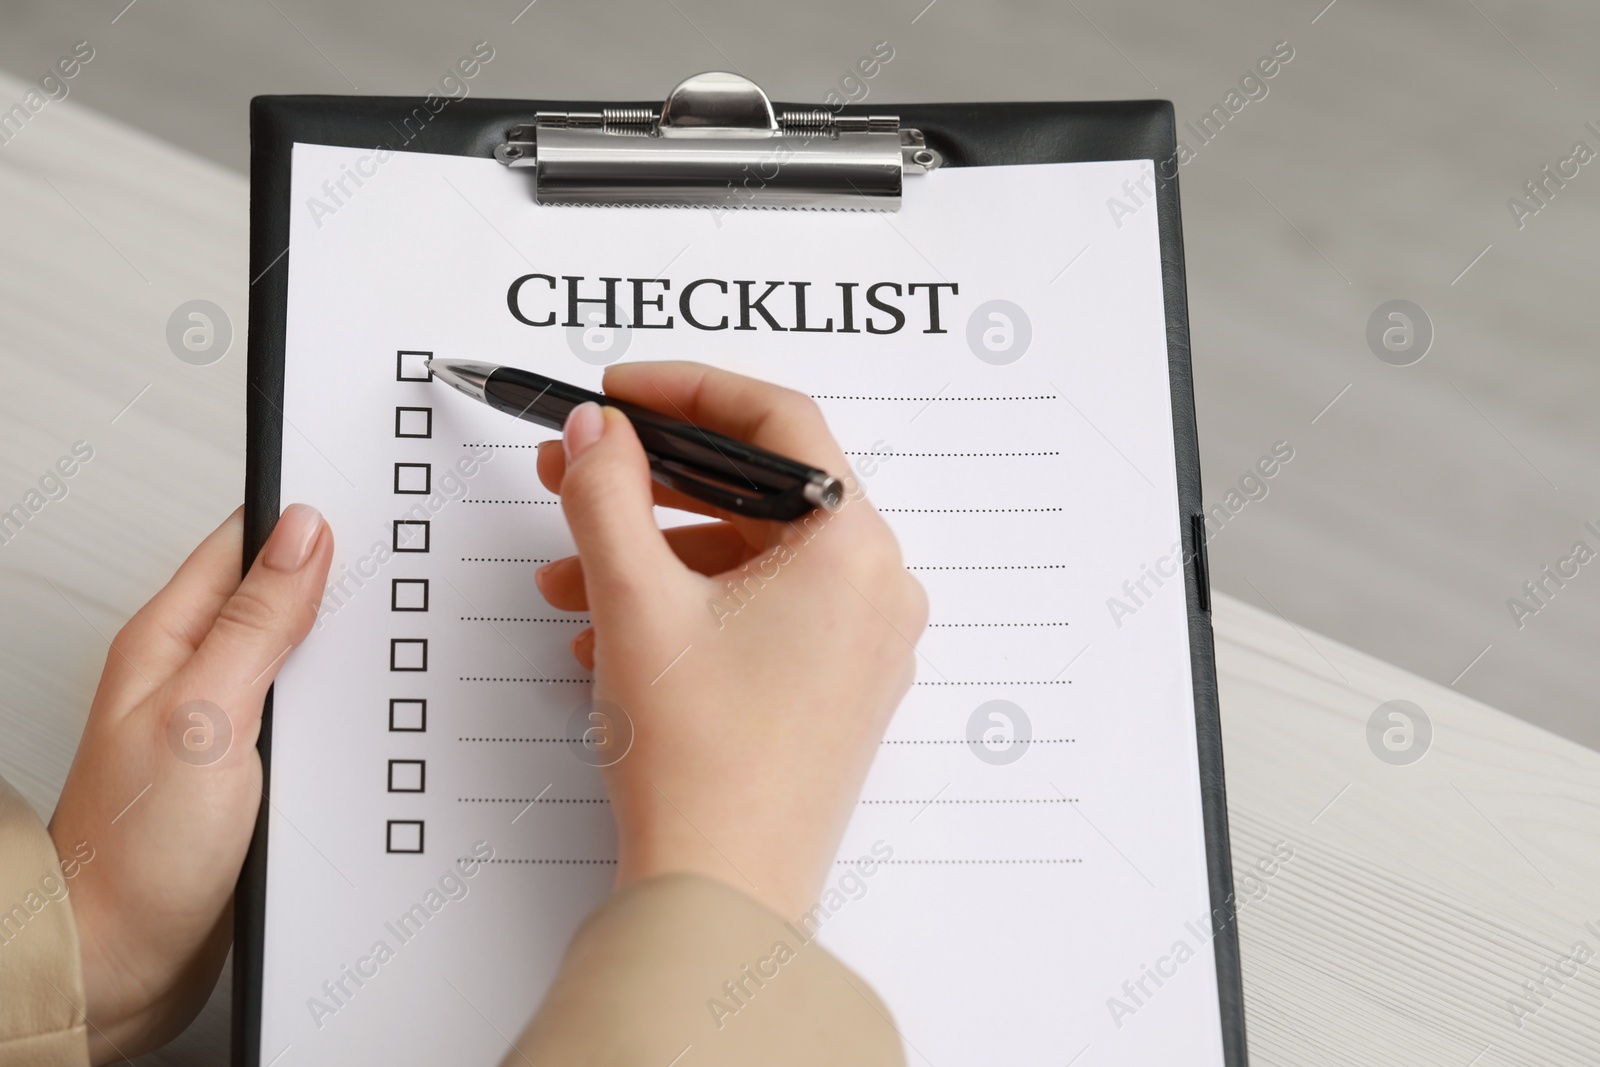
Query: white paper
point(1025, 900)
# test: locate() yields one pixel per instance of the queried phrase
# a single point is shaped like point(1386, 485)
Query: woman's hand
point(158, 808)
point(755, 664)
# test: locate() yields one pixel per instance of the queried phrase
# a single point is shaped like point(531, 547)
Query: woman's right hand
point(757, 664)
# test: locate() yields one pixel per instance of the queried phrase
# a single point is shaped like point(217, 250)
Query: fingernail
point(290, 544)
point(584, 426)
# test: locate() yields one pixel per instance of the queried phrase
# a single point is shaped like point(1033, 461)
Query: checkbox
point(407, 775)
point(411, 535)
point(404, 835)
point(413, 422)
point(412, 367)
point(408, 594)
point(408, 716)
point(408, 654)
point(414, 478)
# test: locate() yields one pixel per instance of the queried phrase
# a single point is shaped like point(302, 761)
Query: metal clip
point(717, 142)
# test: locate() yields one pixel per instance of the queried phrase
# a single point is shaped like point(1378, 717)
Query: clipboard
point(701, 148)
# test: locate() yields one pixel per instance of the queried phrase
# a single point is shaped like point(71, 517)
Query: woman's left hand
point(156, 816)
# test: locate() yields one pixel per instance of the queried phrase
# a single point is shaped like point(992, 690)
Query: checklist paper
point(1025, 878)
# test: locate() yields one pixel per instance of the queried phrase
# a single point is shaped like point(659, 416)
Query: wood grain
point(1420, 897)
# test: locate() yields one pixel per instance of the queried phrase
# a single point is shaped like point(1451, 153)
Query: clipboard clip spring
point(718, 142)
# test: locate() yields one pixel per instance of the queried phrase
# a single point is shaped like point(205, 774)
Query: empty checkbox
point(413, 422)
point(408, 654)
point(408, 594)
point(412, 367)
point(408, 716)
point(404, 835)
point(407, 775)
point(411, 535)
point(413, 478)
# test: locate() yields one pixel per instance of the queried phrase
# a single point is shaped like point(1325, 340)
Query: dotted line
point(1033, 741)
point(469, 501)
point(1041, 800)
point(1012, 682)
point(952, 455)
point(501, 559)
point(838, 396)
point(484, 444)
point(950, 863)
point(580, 863)
point(532, 800)
point(564, 740)
point(971, 511)
point(998, 567)
point(603, 800)
point(547, 681)
point(981, 625)
point(517, 618)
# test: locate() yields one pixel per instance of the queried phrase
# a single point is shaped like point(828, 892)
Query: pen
point(703, 464)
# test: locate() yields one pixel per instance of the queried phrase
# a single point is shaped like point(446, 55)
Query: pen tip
point(460, 374)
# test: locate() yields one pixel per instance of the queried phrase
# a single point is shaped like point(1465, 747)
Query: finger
point(605, 494)
point(766, 415)
point(708, 548)
point(560, 582)
point(272, 611)
point(162, 635)
point(552, 464)
point(583, 648)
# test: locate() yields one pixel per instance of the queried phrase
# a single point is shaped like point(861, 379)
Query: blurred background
point(1385, 162)
point(1378, 167)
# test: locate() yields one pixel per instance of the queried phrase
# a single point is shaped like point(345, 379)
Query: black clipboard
point(967, 135)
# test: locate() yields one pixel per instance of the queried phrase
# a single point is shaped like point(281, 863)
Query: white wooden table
point(1420, 898)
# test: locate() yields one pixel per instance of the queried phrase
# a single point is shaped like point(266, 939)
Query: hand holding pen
point(755, 664)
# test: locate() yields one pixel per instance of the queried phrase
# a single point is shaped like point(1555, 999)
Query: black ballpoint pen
point(708, 466)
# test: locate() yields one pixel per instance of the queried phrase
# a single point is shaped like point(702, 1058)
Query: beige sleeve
point(687, 971)
point(41, 977)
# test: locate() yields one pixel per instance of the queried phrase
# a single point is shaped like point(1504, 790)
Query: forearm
point(681, 961)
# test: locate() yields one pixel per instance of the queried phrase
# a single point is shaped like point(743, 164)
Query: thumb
point(606, 496)
point(271, 612)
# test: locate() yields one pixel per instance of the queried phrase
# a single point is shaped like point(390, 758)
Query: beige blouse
point(41, 983)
